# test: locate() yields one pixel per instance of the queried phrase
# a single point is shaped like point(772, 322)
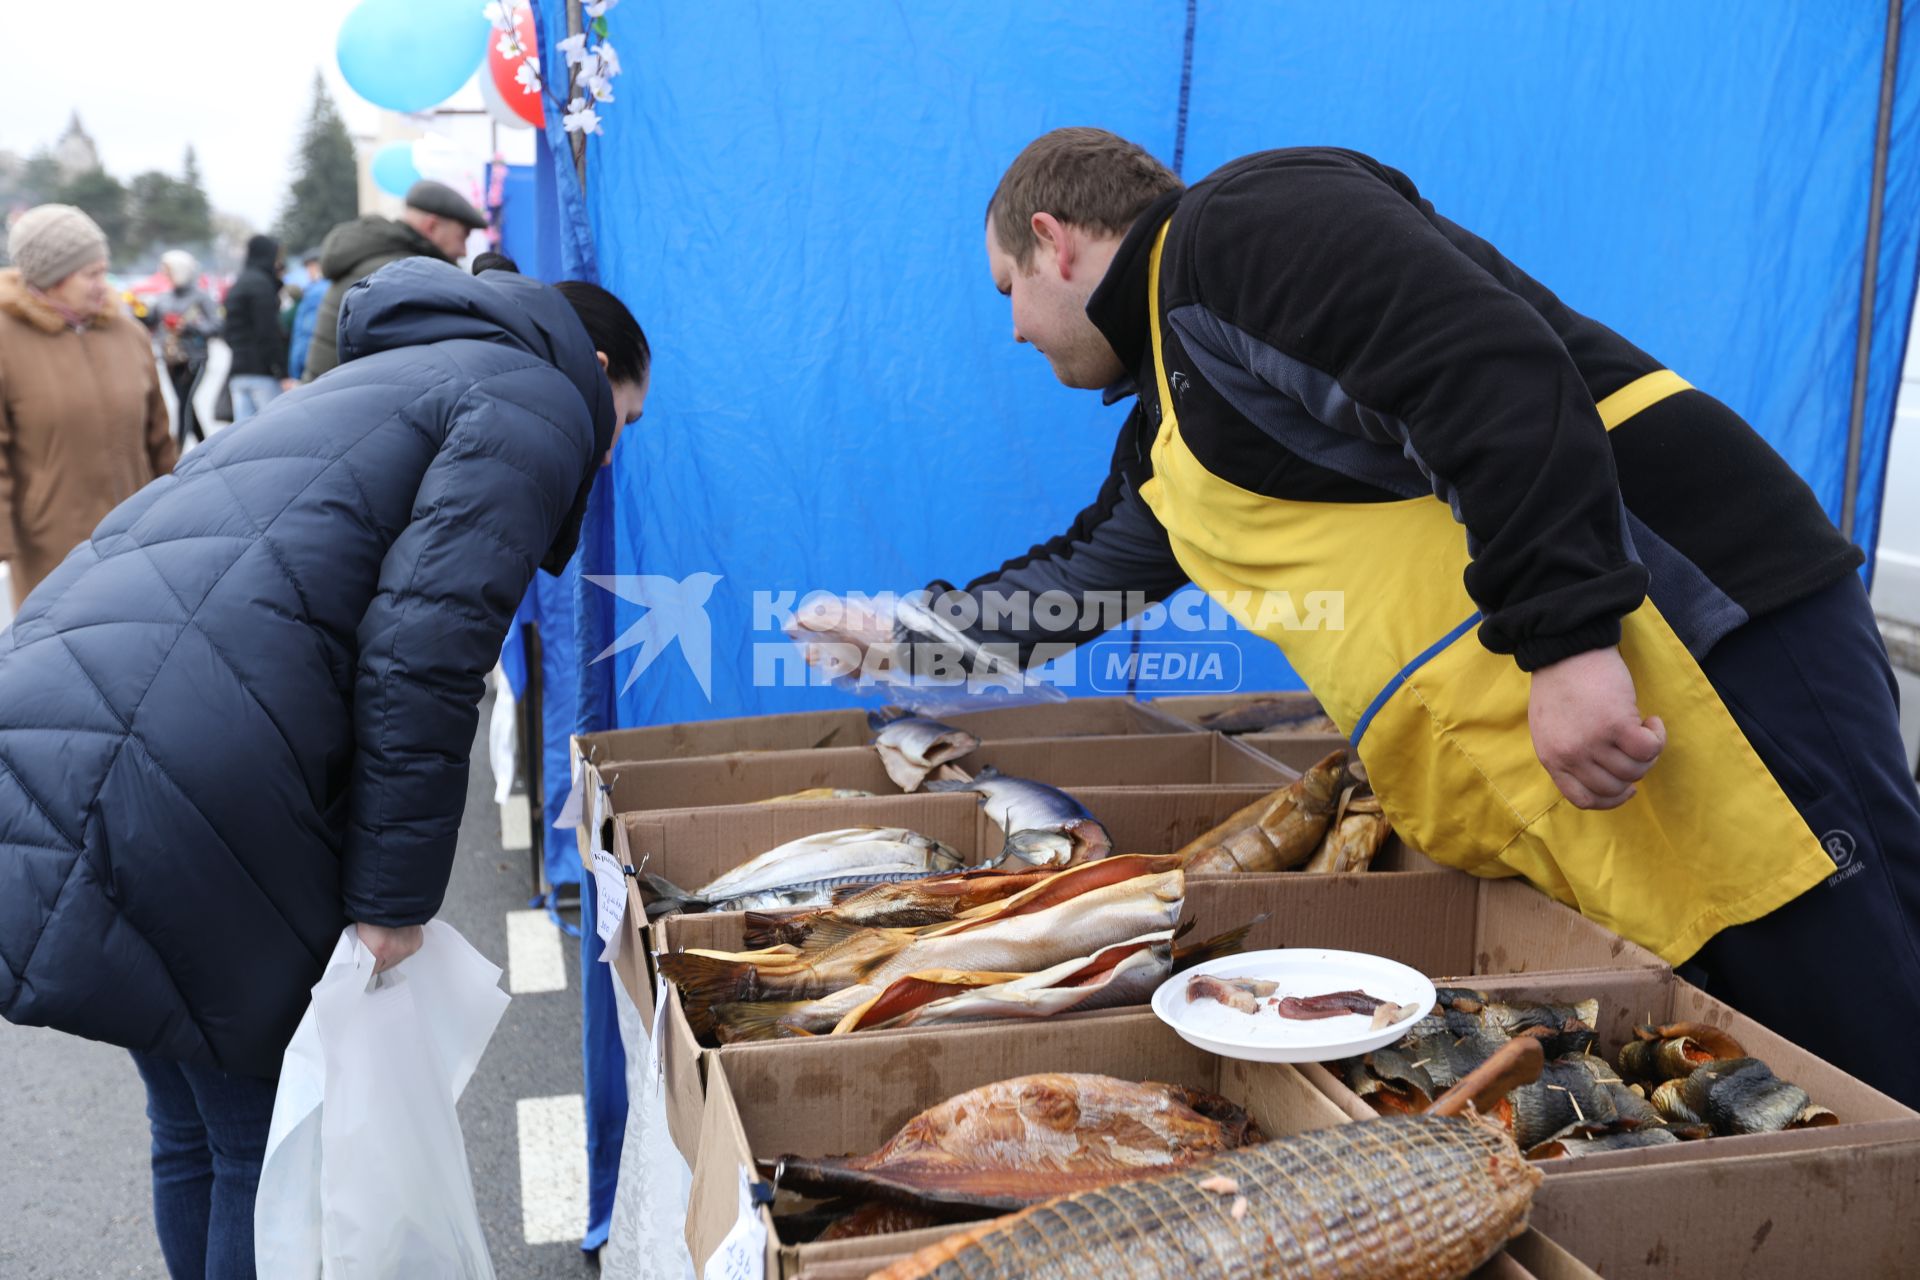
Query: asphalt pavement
point(74, 1179)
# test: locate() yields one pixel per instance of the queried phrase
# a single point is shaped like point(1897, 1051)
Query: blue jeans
point(209, 1138)
point(251, 392)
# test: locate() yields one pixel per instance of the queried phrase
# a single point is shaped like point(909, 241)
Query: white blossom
point(589, 65)
point(581, 117)
point(600, 87)
point(496, 14)
point(598, 8)
point(508, 45)
point(609, 60)
point(527, 75)
point(574, 47)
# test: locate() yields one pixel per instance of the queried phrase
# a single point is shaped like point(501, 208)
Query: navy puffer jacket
point(240, 715)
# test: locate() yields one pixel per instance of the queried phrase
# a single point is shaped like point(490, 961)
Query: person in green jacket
point(435, 224)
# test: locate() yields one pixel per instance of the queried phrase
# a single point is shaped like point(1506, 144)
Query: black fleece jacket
point(1332, 338)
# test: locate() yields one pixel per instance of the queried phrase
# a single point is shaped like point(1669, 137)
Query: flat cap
point(443, 201)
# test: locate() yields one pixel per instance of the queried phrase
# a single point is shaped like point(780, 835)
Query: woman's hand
point(390, 946)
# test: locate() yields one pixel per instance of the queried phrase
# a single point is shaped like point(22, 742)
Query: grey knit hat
point(51, 242)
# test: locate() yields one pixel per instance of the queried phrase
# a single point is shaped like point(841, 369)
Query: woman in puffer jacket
point(238, 717)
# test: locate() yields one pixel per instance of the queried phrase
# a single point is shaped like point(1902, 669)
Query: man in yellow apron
point(1595, 632)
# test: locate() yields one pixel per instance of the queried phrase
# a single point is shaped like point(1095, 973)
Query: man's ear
point(1055, 236)
point(601, 356)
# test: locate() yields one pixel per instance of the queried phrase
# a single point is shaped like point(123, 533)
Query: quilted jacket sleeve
point(487, 508)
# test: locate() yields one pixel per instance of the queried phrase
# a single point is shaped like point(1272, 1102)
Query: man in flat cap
point(435, 224)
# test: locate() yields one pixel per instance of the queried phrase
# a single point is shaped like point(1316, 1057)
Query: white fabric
point(647, 1239)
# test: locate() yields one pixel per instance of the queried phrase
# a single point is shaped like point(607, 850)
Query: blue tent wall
point(792, 202)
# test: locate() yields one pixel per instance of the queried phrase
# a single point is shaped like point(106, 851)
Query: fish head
point(1039, 848)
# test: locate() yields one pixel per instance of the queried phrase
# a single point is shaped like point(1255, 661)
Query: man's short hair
point(311, 260)
point(1084, 177)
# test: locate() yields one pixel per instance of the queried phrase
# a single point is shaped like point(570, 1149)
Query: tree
point(40, 179)
point(100, 196)
point(167, 212)
point(326, 184)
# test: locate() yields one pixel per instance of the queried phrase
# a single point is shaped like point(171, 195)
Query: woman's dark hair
point(491, 261)
point(612, 328)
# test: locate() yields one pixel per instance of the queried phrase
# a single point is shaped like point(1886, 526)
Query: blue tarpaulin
point(792, 200)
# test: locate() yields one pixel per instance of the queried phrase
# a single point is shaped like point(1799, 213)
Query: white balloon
point(496, 105)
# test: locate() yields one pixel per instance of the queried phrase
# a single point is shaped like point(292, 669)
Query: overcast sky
point(232, 77)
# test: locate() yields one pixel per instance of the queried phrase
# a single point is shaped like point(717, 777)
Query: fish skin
point(911, 747)
point(819, 793)
point(1016, 1142)
point(1125, 973)
point(1021, 805)
point(825, 854)
point(903, 905)
point(1262, 715)
point(845, 976)
point(1277, 832)
point(1353, 840)
point(1439, 1195)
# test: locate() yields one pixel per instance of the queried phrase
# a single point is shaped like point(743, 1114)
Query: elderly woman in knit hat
point(83, 423)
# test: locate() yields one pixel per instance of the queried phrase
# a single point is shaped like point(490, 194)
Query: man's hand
point(1587, 729)
point(288, 384)
point(389, 946)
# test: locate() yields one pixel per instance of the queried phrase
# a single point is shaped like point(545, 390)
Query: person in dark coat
point(259, 371)
point(239, 716)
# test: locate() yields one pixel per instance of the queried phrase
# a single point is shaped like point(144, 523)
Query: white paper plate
point(1266, 1036)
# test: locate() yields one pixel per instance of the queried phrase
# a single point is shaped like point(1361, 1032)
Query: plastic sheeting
point(792, 201)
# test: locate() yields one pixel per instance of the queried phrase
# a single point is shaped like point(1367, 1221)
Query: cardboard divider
point(1298, 751)
point(1124, 760)
point(818, 1098)
point(847, 727)
point(1631, 997)
point(1447, 925)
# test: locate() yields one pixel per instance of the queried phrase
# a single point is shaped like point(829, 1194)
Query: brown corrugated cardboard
point(1124, 760)
point(847, 727)
point(815, 1098)
point(1447, 924)
point(1631, 997)
point(1298, 751)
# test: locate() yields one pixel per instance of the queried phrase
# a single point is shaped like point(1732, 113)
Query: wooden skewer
point(1515, 1063)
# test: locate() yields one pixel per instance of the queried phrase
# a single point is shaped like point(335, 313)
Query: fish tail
point(765, 929)
point(706, 980)
point(1230, 943)
point(948, 784)
point(878, 720)
point(663, 897)
point(757, 1020)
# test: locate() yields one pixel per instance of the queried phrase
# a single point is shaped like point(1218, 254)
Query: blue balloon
point(408, 55)
point(393, 168)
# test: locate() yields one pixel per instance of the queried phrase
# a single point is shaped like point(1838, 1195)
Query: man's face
point(1050, 308)
point(448, 236)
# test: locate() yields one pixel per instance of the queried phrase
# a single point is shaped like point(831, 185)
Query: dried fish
point(911, 746)
point(1044, 826)
point(1286, 714)
point(1276, 832)
point(1018, 1142)
point(1240, 994)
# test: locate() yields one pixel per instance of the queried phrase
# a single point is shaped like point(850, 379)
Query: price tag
point(743, 1254)
point(610, 902)
point(576, 799)
point(657, 1056)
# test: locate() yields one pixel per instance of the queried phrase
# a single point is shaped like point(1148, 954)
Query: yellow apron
point(1708, 841)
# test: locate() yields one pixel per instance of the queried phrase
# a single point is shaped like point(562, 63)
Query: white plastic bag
point(366, 1173)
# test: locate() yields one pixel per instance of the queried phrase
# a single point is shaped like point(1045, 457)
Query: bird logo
point(675, 610)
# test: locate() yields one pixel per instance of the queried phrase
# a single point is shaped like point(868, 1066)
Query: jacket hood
point(352, 243)
point(421, 301)
point(20, 302)
point(263, 252)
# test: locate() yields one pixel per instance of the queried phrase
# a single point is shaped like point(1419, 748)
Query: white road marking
point(553, 1168)
point(534, 959)
point(516, 827)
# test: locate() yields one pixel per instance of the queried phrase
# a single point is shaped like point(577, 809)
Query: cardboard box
point(1113, 760)
point(1631, 997)
point(1843, 1200)
point(847, 727)
point(1298, 751)
point(817, 1098)
point(1443, 923)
